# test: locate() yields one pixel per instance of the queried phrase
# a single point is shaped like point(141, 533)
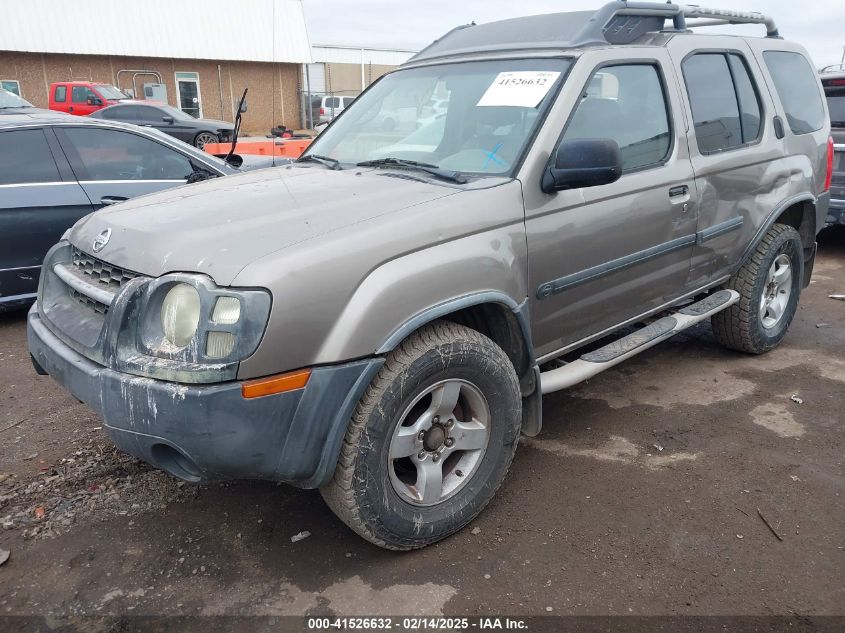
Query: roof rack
point(617, 22)
point(680, 13)
point(717, 17)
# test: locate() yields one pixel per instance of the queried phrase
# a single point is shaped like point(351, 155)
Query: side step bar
point(614, 353)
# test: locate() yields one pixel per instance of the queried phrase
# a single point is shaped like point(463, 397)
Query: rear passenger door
point(114, 165)
point(732, 147)
point(39, 200)
point(600, 256)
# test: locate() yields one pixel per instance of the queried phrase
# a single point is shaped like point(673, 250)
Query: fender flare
point(532, 408)
point(770, 220)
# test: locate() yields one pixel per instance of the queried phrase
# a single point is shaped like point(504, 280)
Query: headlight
point(180, 314)
point(189, 321)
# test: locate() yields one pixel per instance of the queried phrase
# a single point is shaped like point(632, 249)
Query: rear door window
point(25, 157)
point(715, 110)
point(798, 89)
point(61, 94)
point(108, 154)
point(332, 102)
point(747, 99)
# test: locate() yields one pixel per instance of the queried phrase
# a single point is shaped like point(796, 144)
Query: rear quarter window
point(25, 157)
point(61, 94)
point(798, 89)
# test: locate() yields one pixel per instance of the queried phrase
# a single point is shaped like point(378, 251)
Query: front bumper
point(210, 432)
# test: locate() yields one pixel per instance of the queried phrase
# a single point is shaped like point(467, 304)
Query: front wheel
point(769, 284)
point(430, 441)
point(203, 138)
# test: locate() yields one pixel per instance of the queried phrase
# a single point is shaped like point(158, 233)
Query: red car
point(83, 97)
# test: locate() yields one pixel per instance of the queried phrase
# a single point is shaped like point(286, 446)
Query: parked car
point(10, 103)
point(383, 328)
point(330, 107)
point(169, 120)
point(55, 168)
point(81, 98)
point(834, 89)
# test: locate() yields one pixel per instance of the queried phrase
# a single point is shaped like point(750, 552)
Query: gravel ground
point(644, 495)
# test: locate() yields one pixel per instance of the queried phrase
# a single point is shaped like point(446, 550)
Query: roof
point(617, 22)
point(245, 30)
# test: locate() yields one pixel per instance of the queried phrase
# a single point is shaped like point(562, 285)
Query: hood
point(218, 226)
point(218, 125)
point(254, 161)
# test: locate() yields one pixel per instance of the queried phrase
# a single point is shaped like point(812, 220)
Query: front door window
point(188, 89)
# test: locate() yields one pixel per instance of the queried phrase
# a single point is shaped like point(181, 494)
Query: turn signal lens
point(227, 310)
point(275, 384)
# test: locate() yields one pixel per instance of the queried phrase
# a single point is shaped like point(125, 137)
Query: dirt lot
point(640, 497)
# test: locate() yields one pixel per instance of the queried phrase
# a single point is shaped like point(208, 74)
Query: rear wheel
point(430, 441)
point(203, 138)
point(769, 285)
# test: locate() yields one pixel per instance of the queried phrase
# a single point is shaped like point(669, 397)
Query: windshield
point(836, 105)
point(10, 100)
point(110, 92)
point(474, 117)
point(176, 113)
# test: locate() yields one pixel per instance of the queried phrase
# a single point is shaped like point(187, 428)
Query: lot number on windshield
point(519, 88)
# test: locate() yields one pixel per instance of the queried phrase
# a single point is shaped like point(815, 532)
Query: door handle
point(107, 200)
point(679, 191)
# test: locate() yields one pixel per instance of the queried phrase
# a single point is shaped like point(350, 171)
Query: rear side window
point(332, 102)
point(25, 158)
point(625, 103)
point(60, 94)
point(724, 101)
point(798, 90)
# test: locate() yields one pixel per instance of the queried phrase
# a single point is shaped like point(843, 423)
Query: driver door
point(115, 165)
point(602, 255)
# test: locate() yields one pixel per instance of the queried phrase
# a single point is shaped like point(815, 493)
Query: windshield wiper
point(434, 170)
point(331, 163)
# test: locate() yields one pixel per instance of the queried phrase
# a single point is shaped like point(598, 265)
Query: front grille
point(97, 271)
point(100, 308)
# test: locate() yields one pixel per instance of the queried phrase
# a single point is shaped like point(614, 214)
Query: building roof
point(242, 30)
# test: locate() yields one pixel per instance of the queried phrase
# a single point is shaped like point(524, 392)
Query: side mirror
point(583, 163)
point(243, 107)
point(94, 101)
point(168, 119)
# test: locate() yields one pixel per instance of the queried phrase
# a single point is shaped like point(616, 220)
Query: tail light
point(322, 111)
point(829, 178)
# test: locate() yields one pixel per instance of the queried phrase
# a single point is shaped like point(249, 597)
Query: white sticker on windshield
point(519, 88)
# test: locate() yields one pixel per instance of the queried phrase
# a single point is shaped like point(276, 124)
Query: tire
point(767, 301)
point(202, 138)
point(378, 494)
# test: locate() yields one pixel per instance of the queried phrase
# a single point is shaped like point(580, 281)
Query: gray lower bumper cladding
point(210, 432)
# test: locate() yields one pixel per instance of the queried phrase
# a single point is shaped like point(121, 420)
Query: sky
point(819, 25)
